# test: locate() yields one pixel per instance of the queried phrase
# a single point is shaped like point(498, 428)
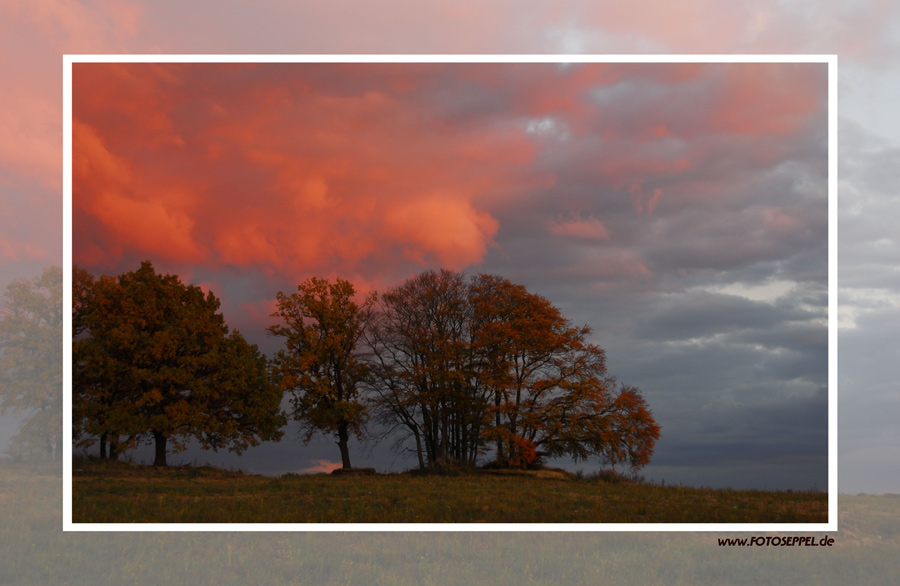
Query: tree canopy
point(321, 368)
point(155, 362)
point(31, 362)
point(459, 366)
point(423, 379)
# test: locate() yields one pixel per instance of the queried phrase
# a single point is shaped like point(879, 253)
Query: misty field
point(35, 550)
point(120, 492)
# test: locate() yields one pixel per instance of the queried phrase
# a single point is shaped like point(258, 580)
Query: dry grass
point(123, 493)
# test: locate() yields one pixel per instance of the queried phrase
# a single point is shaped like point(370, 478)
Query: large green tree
point(155, 362)
point(321, 367)
point(31, 362)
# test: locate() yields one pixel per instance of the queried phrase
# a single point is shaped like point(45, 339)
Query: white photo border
point(831, 525)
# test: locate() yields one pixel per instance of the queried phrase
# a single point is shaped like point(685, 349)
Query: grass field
point(35, 550)
point(119, 492)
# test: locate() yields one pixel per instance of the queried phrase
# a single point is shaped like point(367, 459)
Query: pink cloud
point(280, 171)
point(859, 30)
point(768, 99)
point(12, 251)
point(776, 221)
point(589, 228)
point(29, 135)
point(245, 245)
point(144, 221)
point(643, 203)
point(604, 267)
point(442, 225)
point(95, 25)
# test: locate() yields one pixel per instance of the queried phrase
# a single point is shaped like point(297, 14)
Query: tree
point(92, 398)
point(157, 363)
point(31, 362)
point(462, 366)
point(422, 368)
point(321, 368)
point(520, 338)
point(551, 394)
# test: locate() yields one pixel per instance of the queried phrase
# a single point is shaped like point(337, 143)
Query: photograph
point(450, 291)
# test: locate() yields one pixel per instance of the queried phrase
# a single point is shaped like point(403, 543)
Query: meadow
point(121, 492)
point(35, 550)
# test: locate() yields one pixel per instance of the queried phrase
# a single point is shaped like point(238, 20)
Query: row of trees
point(457, 369)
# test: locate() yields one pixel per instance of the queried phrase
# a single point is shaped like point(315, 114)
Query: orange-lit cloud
point(373, 172)
point(246, 165)
point(445, 226)
point(33, 37)
point(135, 216)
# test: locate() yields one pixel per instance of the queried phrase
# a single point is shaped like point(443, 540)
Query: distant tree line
point(31, 356)
point(460, 370)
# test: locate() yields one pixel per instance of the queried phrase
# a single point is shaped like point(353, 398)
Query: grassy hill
point(124, 493)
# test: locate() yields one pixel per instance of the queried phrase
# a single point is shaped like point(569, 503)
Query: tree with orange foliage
point(322, 325)
point(155, 363)
point(461, 366)
point(550, 393)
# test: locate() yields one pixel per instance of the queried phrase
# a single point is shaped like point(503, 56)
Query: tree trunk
point(445, 432)
point(103, 446)
point(498, 423)
point(160, 440)
point(343, 436)
point(419, 449)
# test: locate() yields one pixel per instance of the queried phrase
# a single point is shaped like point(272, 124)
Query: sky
point(604, 226)
point(678, 209)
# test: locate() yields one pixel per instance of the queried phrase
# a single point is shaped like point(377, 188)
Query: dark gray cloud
point(704, 314)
